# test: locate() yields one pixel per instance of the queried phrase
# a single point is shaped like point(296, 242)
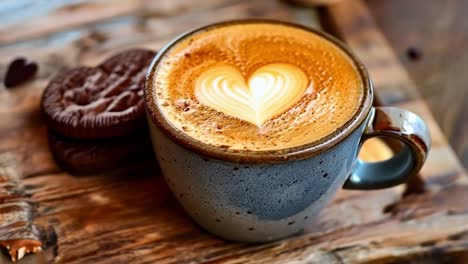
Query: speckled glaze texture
point(254, 203)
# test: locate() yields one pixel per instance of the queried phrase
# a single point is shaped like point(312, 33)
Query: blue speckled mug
point(259, 196)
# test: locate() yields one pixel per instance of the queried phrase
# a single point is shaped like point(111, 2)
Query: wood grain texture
point(88, 13)
point(440, 33)
point(130, 216)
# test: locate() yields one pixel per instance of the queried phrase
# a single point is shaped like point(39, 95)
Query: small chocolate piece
point(100, 102)
point(414, 54)
point(20, 71)
point(95, 156)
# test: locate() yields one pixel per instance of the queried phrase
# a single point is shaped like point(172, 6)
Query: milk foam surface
point(257, 86)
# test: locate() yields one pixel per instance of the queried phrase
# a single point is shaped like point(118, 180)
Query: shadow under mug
point(259, 196)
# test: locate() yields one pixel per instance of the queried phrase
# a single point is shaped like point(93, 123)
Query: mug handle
point(404, 126)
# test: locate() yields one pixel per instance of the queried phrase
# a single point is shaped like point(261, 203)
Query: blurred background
point(431, 40)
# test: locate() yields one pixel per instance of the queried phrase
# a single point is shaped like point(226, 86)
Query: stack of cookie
point(96, 116)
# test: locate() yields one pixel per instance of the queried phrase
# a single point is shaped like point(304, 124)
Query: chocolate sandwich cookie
point(99, 102)
point(94, 156)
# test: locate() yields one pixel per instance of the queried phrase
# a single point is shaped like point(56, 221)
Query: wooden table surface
point(142, 222)
point(438, 30)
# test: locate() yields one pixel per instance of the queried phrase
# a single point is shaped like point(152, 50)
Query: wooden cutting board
point(129, 216)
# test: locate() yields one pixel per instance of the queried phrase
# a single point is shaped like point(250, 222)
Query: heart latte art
point(256, 86)
point(269, 91)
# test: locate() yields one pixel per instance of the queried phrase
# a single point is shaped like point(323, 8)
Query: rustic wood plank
point(439, 70)
point(130, 215)
point(70, 16)
point(89, 13)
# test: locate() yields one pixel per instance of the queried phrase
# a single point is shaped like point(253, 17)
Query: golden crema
point(257, 86)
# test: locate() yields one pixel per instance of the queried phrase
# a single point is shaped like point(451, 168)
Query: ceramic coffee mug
point(258, 196)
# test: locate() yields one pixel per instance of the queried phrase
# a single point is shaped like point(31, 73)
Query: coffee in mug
point(257, 86)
